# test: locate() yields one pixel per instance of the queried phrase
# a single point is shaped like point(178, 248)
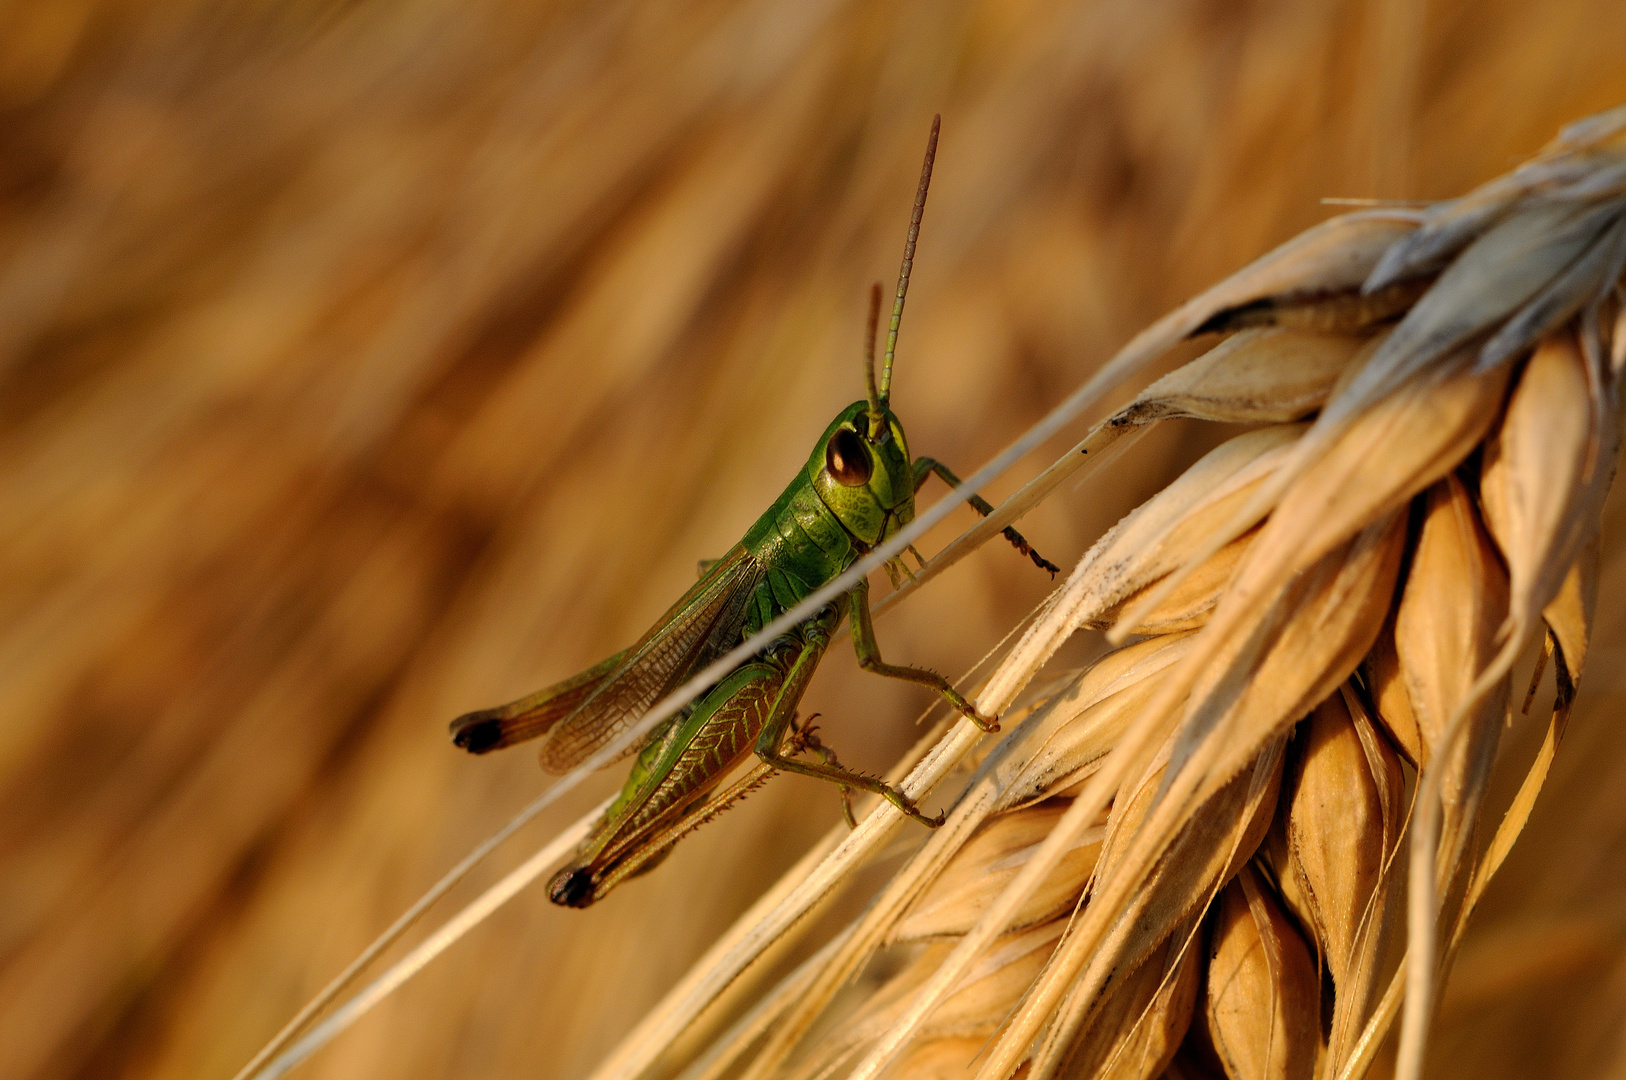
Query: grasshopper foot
point(990, 724)
point(908, 806)
point(969, 711)
point(1020, 544)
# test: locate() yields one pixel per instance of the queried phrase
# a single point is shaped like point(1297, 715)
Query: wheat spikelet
point(1152, 870)
point(1263, 993)
point(1339, 832)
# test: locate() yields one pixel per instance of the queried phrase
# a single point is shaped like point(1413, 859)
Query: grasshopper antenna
point(908, 259)
point(869, 358)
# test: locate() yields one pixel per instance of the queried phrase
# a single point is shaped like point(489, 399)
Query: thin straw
point(436, 943)
point(391, 935)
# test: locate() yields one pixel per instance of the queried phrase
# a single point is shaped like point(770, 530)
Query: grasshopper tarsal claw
point(908, 806)
point(804, 737)
point(989, 724)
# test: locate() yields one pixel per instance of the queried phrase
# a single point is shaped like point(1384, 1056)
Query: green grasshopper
point(857, 490)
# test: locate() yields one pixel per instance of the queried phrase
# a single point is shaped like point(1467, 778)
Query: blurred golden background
point(364, 363)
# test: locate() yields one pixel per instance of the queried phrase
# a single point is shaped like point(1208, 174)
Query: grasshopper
point(857, 490)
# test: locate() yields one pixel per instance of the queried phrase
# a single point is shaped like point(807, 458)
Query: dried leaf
point(1496, 275)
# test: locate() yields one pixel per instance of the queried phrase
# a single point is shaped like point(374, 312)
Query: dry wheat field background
point(365, 363)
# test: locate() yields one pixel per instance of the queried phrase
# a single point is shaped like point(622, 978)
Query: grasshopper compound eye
point(846, 460)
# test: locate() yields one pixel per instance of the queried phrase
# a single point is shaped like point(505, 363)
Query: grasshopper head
point(861, 467)
point(866, 480)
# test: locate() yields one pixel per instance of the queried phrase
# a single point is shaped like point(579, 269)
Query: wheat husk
point(1082, 723)
point(1282, 567)
point(986, 863)
point(1450, 613)
point(1305, 588)
point(1117, 934)
point(1496, 275)
point(1262, 992)
point(1160, 535)
point(1136, 1031)
point(1261, 376)
point(1532, 486)
point(1446, 227)
point(1571, 613)
point(1064, 738)
point(1191, 603)
point(1454, 604)
point(1381, 673)
point(1344, 808)
point(939, 1059)
point(1341, 475)
point(1343, 619)
point(1343, 821)
point(991, 987)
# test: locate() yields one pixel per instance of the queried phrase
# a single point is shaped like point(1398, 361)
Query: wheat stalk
point(1149, 872)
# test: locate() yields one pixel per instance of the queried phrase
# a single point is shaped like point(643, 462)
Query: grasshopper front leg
point(925, 466)
point(816, 634)
point(869, 658)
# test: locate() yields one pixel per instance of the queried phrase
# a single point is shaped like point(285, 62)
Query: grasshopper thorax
point(867, 483)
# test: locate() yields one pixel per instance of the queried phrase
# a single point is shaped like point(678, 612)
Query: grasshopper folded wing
point(582, 713)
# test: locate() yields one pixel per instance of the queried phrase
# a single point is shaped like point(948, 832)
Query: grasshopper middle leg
point(869, 658)
point(816, 637)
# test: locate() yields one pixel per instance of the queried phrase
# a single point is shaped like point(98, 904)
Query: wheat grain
point(1263, 994)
